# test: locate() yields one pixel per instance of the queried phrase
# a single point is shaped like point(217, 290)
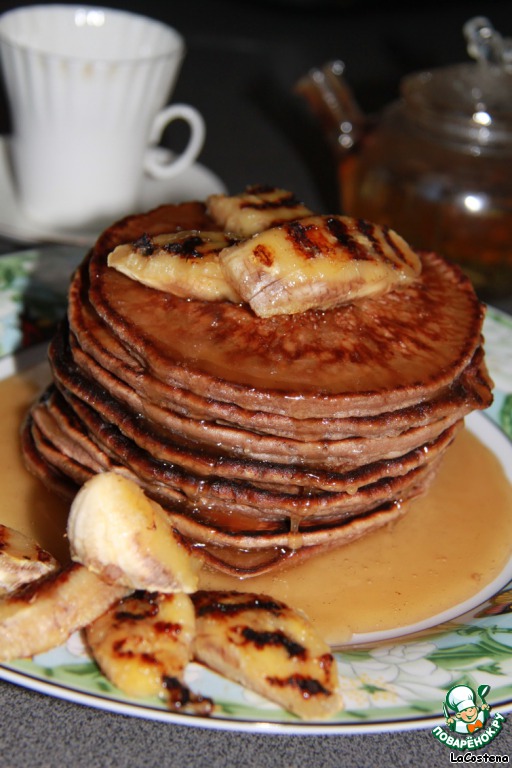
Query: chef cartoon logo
point(469, 720)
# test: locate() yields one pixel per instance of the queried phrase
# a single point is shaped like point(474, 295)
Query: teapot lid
point(462, 89)
point(479, 93)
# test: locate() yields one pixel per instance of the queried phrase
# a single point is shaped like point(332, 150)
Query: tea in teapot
point(437, 164)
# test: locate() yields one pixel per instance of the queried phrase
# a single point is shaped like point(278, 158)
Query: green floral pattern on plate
point(33, 288)
point(394, 684)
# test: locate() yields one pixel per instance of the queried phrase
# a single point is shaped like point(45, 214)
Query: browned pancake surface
point(403, 345)
point(98, 352)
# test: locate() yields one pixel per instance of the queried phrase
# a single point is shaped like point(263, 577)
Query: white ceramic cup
point(87, 88)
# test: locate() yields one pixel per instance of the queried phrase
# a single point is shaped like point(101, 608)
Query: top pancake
point(379, 353)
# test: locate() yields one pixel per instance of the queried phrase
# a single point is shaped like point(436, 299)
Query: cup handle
point(157, 164)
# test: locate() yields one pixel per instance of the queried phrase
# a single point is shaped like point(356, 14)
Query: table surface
point(242, 61)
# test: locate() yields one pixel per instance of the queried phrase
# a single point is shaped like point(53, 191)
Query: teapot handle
point(332, 102)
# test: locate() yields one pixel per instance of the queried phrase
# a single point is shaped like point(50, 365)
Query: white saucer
point(196, 183)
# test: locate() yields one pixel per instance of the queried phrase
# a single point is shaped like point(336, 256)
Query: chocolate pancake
point(95, 348)
point(208, 497)
point(264, 439)
point(220, 551)
point(208, 460)
point(382, 352)
point(251, 547)
point(232, 444)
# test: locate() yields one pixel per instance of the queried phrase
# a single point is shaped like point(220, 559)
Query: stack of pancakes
point(264, 439)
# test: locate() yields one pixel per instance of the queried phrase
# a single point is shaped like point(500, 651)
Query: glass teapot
point(436, 166)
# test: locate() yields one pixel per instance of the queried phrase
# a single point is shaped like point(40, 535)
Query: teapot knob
point(485, 44)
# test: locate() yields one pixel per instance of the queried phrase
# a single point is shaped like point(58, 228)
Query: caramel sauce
point(26, 504)
point(444, 550)
point(448, 546)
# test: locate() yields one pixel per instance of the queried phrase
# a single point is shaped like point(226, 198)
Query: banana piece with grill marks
point(143, 644)
point(21, 560)
point(266, 646)
point(254, 210)
point(317, 262)
point(42, 614)
point(184, 263)
point(117, 532)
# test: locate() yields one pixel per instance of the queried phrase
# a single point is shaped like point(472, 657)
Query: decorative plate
point(395, 684)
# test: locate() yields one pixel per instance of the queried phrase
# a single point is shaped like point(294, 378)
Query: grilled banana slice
point(185, 264)
point(267, 647)
point(143, 644)
point(254, 210)
point(42, 614)
point(21, 560)
point(116, 531)
point(317, 263)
